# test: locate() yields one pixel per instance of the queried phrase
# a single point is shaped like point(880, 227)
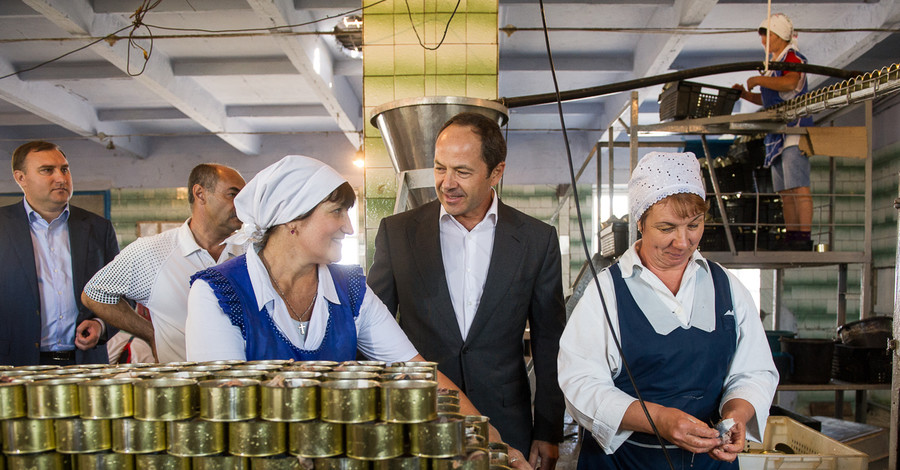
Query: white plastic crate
point(812, 450)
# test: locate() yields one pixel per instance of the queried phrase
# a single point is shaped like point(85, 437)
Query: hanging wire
point(584, 243)
point(446, 27)
point(137, 22)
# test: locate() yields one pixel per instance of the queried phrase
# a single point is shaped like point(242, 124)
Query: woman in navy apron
point(689, 330)
point(285, 299)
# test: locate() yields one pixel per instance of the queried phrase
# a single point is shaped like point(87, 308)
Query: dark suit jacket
point(524, 282)
point(93, 244)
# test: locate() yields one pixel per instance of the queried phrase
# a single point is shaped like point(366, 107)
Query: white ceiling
point(248, 100)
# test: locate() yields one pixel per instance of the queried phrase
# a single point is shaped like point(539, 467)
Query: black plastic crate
point(689, 100)
point(861, 365)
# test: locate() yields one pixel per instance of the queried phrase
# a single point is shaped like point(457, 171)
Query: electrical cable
point(584, 245)
point(446, 27)
point(627, 85)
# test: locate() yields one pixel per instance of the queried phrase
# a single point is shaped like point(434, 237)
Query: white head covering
point(781, 25)
point(282, 192)
point(659, 175)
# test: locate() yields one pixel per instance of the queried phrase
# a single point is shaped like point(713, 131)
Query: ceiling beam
point(77, 17)
point(277, 110)
point(572, 63)
point(139, 114)
point(64, 109)
point(655, 53)
point(840, 49)
point(311, 57)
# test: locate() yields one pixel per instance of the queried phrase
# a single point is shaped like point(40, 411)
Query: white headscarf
point(282, 192)
point(661, 174)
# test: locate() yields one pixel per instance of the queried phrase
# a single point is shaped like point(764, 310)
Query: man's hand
point(87, 334)
point(543, 455)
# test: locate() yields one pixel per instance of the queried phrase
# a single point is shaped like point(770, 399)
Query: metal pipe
point(545, 98)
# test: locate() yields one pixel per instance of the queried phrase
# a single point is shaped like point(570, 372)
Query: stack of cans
point(234, 415)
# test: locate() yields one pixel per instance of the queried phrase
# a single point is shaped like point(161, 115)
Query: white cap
point(282, 192)
point(661, 174)
point(779, 24)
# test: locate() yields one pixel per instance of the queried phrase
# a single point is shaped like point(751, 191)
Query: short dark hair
point(204, 174)
point(343, 195)
point(493, 145)
point(22, 151)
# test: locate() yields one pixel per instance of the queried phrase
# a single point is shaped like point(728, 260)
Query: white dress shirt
point(156, 272)
point(53, 265)
point(211, 336)
point(467, 257)
point(589, 361)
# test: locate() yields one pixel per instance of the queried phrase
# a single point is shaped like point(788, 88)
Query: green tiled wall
point(129, 206)
point(396, 66)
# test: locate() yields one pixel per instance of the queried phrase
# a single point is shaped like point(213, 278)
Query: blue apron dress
point(775, 142)
point(684, 369)
point(230, 281)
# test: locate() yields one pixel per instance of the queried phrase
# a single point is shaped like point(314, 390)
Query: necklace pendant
point(302, 328)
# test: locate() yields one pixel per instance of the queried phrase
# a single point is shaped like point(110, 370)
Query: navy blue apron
point(684, 369)
point(230, 282)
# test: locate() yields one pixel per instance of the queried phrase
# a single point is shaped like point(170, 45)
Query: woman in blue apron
point(285, 299)
point(790, 167)
point(689, 331)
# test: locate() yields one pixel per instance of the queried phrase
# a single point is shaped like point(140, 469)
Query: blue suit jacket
point(93, 243)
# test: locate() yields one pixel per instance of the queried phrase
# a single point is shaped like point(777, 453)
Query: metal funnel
point(410, 127)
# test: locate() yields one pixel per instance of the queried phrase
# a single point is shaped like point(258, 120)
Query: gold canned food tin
point(315, 439)
point(278, 362)
point(55, 398)
point(221, 462)
point(195, 438)
point(374, 441)
point(228, 399)
point(105, 460)
point(289, 400)
point(257, 438)
point(222, 362)
point(429, 364)
point(279, 462)
point(410, 370)
point(341, 463)
point(479, 425)
point(260, 366)
point(295, 374)
point(448, 407)
point(28, 436)
point(408, 401)
point(181, 364)
point(444, 437)
point(499, 458)
point(358, 368)
point(132, 436)
point(388, 376)
point(475, 460)
point(349, 401)
point(77, 436)
point(106, 398)
point(308, 364)
point(165, 399)
point(379, 364)
point(252, 374)
point(161, 462)
point(197, 375)
point(407, 462)
point(348, 375)
point(42, 461)
point(12, 400)
point(208, 368)
point(37, 368)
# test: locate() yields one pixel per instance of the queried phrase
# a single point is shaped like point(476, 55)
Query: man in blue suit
point(49, 250)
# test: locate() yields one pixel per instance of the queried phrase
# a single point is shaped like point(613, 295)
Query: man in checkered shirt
point(156, 270)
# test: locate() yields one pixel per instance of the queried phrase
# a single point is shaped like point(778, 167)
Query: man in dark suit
point(49, 251)
point(466, 273)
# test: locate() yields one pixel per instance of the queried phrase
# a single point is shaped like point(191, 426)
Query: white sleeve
point(379, 337)
point(208, 333)
point(588, 363)
point(752, 375)
point(131, 273)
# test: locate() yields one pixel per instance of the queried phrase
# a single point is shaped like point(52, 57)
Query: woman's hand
point(685, 431)
point(730, 450)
